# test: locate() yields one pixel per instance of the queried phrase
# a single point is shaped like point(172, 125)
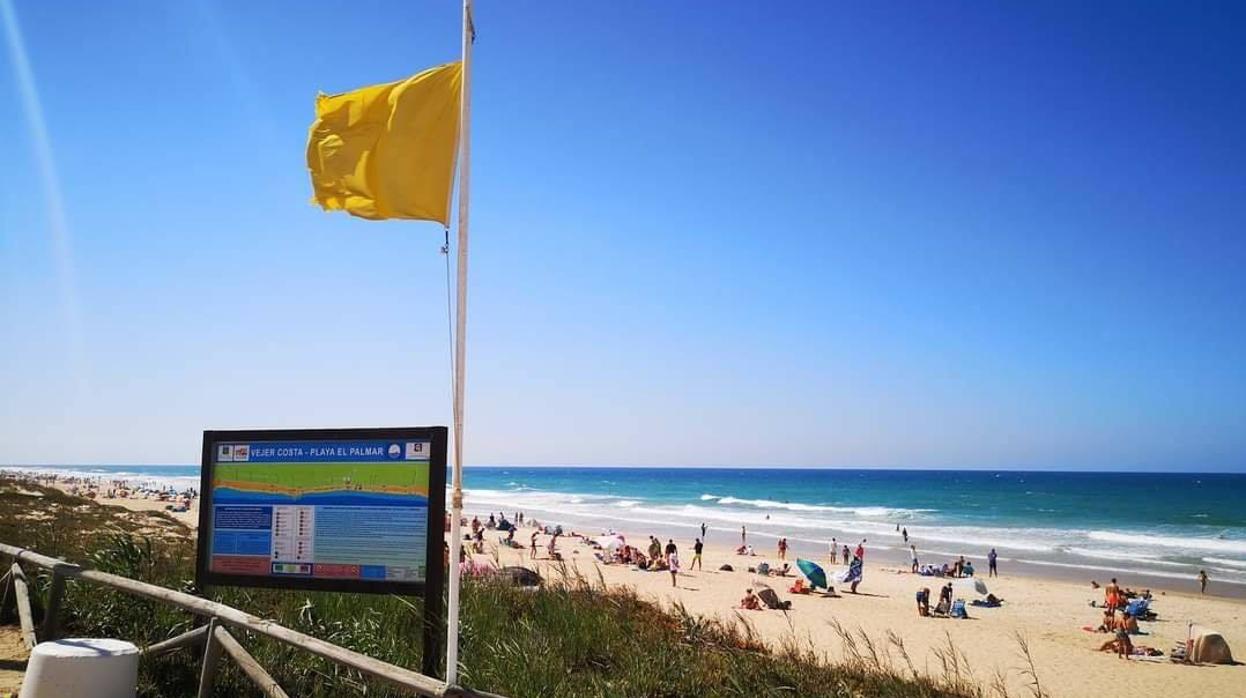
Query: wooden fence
point(215, 636)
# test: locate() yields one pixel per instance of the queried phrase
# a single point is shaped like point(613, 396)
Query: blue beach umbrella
point(814, 572)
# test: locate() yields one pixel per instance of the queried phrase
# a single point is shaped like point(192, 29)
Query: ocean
point(1162, 525)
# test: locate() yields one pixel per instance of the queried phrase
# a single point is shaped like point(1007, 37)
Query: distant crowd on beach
point(178, 500)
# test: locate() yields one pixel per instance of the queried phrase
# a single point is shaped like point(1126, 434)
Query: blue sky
point(822, 234)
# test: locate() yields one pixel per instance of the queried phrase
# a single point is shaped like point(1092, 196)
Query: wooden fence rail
point(215, 636)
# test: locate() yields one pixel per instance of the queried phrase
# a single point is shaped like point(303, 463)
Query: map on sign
point(337, 510)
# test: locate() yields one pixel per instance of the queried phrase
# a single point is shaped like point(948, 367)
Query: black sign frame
point(433, 585)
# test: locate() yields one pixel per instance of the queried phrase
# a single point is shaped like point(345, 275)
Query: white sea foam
point(1136, 570)
point(815, 524)
point(1116, 554)
point(1182, 543)
point(758, 520)
point(1223, 561)
point(868, 512)
point(139, 479)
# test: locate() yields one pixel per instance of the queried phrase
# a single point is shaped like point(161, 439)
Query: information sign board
point(357, 510)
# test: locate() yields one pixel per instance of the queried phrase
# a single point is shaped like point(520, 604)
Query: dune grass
point(572, 637)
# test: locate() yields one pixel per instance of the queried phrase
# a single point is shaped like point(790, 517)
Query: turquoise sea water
point(1163, 525)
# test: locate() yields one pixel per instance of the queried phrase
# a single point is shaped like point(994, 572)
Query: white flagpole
point(460, 351)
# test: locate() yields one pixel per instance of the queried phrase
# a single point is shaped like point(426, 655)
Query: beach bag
point(958, 609)
point(726, 568)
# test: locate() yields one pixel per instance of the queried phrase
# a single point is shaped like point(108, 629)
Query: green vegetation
point(325, 476)
point(571, 638)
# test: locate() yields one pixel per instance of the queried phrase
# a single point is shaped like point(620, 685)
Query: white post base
point(81, 668)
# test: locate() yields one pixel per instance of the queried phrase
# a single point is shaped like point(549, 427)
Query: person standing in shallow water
point(702, 530)
point(990, 564)
point(1202, 581)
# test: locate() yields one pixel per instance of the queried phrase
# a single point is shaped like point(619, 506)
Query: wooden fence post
point(51, 614)
point(211, 657)
point(24, 615)
point(258, 675)
point(7, 606)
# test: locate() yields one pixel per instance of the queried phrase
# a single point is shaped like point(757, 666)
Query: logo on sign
point(242, 452)
point(415, 450)
point(394, 451)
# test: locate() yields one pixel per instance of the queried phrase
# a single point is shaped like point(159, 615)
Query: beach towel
point(854, 572)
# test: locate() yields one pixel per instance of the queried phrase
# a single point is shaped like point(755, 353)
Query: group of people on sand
point(1122, 609)
point(654, 558)
point(960, 567)
point(177, 500)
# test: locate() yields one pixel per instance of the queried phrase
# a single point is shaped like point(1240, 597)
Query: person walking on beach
point(846, 553)
point(834, 552)
point(696, 555)
point(702, 530)
point(990, 564)
point(670, 548)
point(1202, 581)
point(743, 537)
point(913, 552)
point(861, 550)
point(905, 532)
point(672, 562)
point(782, 548)
point(532, 548)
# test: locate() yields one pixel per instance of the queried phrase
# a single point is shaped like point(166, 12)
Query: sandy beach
point(1048, 613)
point(136, 498)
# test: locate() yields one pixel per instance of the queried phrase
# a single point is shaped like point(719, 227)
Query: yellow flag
point(388, 151)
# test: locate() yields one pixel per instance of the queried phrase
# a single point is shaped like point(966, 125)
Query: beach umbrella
point(813, 572)
point(769, 597)
point(610, 542)
point(970, 585)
